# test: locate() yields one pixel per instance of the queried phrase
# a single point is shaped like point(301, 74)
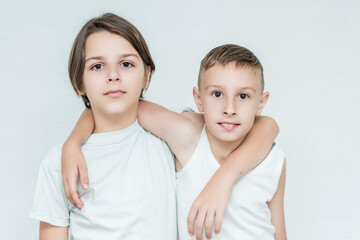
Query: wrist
point(228, 176)
point(71, 144)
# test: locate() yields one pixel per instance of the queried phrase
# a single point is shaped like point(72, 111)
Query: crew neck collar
point(113, 136)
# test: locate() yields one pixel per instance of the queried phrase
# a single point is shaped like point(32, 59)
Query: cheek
point(136, 77)
point(210, 115)
point(90, 89)
point(136, 85)
point(249, 116)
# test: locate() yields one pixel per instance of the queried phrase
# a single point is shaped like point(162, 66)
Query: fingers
point(84, 178)
point(71, 170)
point(70, 190)
point(209, 222)
point(199, 216)
point(218, 221)
point(74, 196)
point(66, 189)
point(199, 224)
point(204, 218)
point(191, 219)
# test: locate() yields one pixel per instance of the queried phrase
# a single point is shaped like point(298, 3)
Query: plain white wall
point(309, 49)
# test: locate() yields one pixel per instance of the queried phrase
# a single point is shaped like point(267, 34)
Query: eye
point(243, 96)
point(97, 67)
point(217, 94)
point(127, 64)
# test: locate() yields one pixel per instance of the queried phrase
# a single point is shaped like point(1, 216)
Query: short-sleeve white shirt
point(131, 191)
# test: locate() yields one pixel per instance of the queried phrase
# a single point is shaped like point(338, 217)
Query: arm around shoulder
point(254, 148)
point(73, 160)
point(179, 131)
point(197, 118)
point(243, 159)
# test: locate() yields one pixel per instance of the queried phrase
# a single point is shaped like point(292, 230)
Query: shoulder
point(150, 140)
point(53, 158)
point(195, 123)
point(276, 160)
point(271, 165)
point(277, 153)
point(194, 117)
point(275, 157)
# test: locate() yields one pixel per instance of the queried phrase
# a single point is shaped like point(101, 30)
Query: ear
point(263, 101)
point(147, 78)
point(197, 99)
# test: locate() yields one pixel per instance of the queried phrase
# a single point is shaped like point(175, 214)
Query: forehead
point(104, 43)
point(231, 76)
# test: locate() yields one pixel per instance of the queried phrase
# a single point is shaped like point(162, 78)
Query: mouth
point(228, 125)
point(115, 93)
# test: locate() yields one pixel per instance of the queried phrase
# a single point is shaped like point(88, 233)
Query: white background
point(310, 51)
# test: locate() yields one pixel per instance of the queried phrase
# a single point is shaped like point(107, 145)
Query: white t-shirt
point(247, 216)
point(131, 191)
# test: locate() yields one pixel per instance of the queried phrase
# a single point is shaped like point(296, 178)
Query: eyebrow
point(243, 88)
point(121, 56)
point(249, 88)
point(212, 86)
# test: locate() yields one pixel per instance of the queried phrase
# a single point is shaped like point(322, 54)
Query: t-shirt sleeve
point(50, 204)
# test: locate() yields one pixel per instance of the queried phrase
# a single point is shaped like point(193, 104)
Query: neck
point(222, 149)
point(113, 122)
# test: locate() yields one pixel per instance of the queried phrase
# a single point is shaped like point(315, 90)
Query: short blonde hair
point(111, 23)
point(231, 53)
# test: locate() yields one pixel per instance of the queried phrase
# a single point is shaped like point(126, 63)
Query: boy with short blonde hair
point(230, 94)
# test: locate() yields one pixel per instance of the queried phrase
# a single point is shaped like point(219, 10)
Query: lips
point(114, 93)
point(228, 125)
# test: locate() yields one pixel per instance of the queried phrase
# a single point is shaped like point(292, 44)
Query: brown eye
point(97, 67)
point(127, 64)
point(243, 96)
point(217, 94)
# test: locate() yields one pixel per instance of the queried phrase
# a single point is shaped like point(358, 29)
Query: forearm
point(174, 128)
point(252, 151)
point(50, 232)
point(82, 130)
point(72, 159)
point(213, 199)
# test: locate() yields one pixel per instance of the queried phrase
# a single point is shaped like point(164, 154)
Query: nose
point(113, 75)
point(229, 108)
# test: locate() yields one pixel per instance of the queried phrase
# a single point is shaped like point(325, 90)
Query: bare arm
point(197, 118)
point(180, 132)
point(276, 206)
point(252, 151)
point(50, 232)
point(210, 205)
point(72, 159)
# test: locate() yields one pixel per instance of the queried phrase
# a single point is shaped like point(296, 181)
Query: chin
point(231, 137)
point(110, 111)
point(118, 112)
